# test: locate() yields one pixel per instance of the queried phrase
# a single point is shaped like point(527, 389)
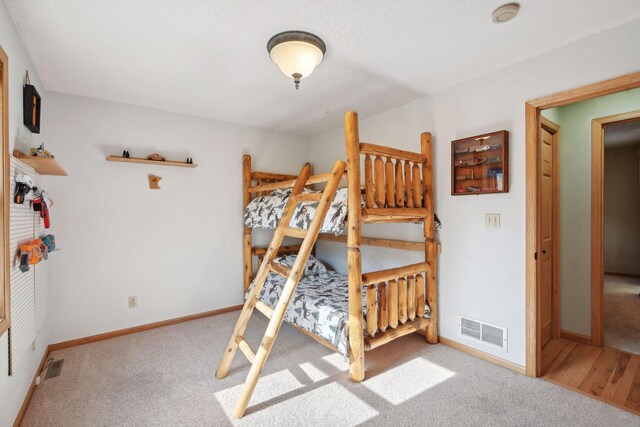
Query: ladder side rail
point(296, 272)
point(261, 276)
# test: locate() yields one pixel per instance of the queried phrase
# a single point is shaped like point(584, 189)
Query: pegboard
point(28, 290)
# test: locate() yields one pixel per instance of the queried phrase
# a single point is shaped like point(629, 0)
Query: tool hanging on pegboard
point(41, 204)
point(25, 189)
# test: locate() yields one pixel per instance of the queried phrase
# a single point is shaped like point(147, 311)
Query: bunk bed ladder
point(293, 274)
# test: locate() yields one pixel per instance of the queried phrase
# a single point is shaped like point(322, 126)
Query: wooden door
point(547, 270)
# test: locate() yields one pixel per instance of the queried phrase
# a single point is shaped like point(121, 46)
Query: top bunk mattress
point(266, 211)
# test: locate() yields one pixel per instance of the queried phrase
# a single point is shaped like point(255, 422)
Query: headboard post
point(356, 336)
point(246, 240)
point(431, 246)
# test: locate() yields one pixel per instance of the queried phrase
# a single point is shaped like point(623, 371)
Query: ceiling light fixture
point(296, 53)
point(505, 13)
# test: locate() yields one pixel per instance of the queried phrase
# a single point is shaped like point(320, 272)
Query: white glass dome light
point(505, 13)
point(296, 53)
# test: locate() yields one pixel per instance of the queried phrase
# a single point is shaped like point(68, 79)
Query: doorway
point(533, 110)
point(576, 361)
point(616, 231)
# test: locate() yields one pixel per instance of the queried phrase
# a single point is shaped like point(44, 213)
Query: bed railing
point(394, 297)
point(392, 178)
point(264, 178)
point(266, 187)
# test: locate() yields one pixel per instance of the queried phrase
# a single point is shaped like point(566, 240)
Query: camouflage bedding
point(320, 302)
point(266, 211)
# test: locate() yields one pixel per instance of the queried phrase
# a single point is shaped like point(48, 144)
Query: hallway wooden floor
point(606, 374)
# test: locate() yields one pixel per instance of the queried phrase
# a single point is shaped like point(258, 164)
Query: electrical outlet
point(133, 302)
point(492, 220)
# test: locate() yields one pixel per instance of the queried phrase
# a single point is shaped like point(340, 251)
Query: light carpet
point(622, 313)
point(165, 377)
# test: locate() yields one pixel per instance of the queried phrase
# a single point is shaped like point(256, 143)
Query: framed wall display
point(480, 164)
point(32, 104)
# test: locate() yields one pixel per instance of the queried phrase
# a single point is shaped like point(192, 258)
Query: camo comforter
point(266, 211)
point(320, 303)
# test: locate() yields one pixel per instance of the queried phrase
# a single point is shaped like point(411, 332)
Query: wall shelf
point(42, 165)
point(150, 162)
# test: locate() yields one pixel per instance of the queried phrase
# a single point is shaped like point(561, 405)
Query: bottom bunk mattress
point(320, 304)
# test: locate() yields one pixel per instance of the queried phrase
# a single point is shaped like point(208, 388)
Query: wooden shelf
point(479, 153)
point(150, 162)
point(42, 165)
point(489, 164)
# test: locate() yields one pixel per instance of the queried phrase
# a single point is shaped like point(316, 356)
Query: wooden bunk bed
point(397, 189)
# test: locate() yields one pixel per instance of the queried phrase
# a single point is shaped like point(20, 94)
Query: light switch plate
point(133, 302)
point(492, 220)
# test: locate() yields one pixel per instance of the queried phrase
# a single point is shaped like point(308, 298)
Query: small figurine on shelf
point(189, 160)
point(156, 157)
point(126, 154)
point(41, 152)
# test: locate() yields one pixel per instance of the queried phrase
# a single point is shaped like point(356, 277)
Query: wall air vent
point(477, 330)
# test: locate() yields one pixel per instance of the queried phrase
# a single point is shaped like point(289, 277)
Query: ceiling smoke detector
point(505, 13)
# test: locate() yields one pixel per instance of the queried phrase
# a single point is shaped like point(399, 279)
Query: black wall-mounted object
point(32, 106)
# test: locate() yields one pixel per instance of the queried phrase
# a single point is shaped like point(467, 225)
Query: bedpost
point(313, 250)
point(431, 246)
point(356, 335)
point(246, 239)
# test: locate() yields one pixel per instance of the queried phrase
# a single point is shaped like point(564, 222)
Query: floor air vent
point(495, 336)
point(54, 369)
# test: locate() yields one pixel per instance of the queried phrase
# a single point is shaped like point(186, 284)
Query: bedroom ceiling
point(208, 58)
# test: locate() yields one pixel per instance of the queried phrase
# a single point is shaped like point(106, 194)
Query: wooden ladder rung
point(299, 233)
point(309, 197)
point(282, 270)
point(246, 350)
point(264, 309)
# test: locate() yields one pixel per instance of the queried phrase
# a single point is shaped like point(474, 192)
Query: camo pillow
point(334, 222)
point(266, 211)
point(313, 266)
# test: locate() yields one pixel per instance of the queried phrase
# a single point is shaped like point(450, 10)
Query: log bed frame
point(398, 187)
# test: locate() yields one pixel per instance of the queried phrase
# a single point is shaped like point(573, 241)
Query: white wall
point(178, 249)
point(622, 210)
point(575, 202)
point(13, 389)
point(481, 270)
